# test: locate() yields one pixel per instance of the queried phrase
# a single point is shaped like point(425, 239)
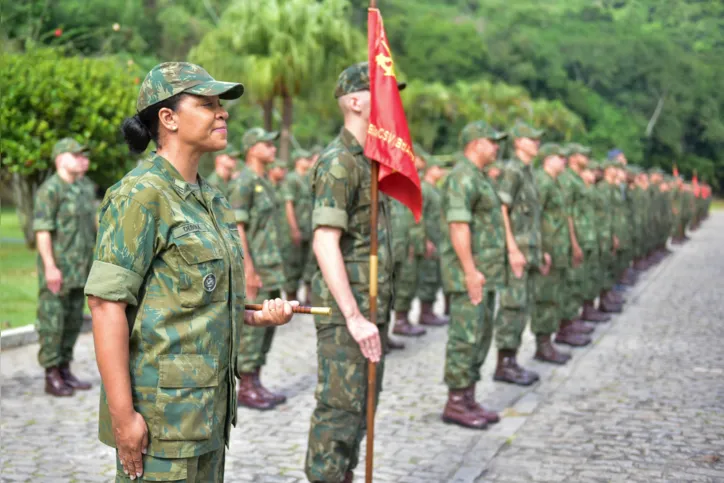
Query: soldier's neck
point(429, 178)
point(523, 156)
point(357, 127)
point(551, 172)
point(67, 176)
point(223, 173)
point(256, 165)
point(184, 159)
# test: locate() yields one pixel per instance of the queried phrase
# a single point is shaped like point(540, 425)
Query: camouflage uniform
point(621, 225)
point(407, 237)
point(572, 187)
point(588, 239)
point(517, 191)
point(66, 210)
point(550, 290)
point(605, 219)
point(341, 182)
point(172, 252)
point(255, 203)
point(220, 184)
point(296, 188)
point(468, 197)
point(429, 280)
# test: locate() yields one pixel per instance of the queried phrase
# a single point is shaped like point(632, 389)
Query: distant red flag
point(388, 137)
point(695, 182)
point(676, 170)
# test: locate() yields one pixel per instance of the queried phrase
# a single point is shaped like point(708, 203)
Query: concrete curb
point(25, 335)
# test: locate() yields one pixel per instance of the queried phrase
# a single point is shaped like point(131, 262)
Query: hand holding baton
point(297, 310)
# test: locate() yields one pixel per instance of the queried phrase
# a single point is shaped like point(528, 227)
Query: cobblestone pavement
point(645, 402)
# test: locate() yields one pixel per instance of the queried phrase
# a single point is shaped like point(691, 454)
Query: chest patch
point(258, 188)
point(209, 282)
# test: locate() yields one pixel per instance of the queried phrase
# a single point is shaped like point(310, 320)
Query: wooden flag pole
point(371, 366)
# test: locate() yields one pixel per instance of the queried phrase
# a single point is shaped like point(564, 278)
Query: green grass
point(18, 274)
point(717, 204)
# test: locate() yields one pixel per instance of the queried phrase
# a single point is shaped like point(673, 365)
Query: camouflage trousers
point(550, 298)
point(406, 282)
point(468, 338)
point(60, 318)
point(255, 341)
point(516, 306)
point(206, 468)
point(607, 269)
point(622, 262)
point(310, 265)
point(295, 260)
point(339, 420)
point(591, 273)
point(430, 279)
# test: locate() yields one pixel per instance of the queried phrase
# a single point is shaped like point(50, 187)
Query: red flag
point(695, 182)
point(676, 170)
point(388, 137)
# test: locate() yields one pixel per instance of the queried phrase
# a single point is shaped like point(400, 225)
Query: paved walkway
point(645, 402)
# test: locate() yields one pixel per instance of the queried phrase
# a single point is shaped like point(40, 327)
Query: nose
point(222, 114)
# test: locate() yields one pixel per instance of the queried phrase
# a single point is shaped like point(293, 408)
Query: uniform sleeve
point(241, 194)
point(125, 247)
point(459, 197)
point(45, 209)
point(333, 187)
point(508, 185)
point(543, 186)
point(290, 189)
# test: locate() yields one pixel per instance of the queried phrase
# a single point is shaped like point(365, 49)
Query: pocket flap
point(194, 251)
point(188, 370)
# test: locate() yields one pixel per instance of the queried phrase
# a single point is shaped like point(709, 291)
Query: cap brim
point(270, 136)
point(499, 137)
point(225, 90)
point(401, 86)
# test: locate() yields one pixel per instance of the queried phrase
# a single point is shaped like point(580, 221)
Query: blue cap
point(613, 153)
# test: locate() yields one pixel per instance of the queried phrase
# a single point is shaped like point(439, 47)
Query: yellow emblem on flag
point(385, 61)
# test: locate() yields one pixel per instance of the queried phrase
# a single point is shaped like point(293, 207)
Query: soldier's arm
point(289, 193)
point(507, 188)
point(44, 222)
point(240, 199)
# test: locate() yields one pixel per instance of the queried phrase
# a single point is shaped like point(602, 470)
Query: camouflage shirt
point(572, 186)
point(402, 222)
point(604, 216)
point(174, 256)
point(218, 182)
point(554, 220)
point(67, 211)
point(468, 197)
point(298, 190)
point(255, 205)
point(585, 213)
point(341, 181)
point(517, 191)
point(431, 206)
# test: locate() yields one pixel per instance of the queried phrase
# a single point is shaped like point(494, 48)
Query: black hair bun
point(136, 134)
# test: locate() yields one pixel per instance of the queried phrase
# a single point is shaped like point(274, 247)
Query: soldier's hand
point(366, 334)
point(474, 282)
point(546, 268)
point(430, 249)
point(296, 237)
point(615, 243)
point(53, 279)
point(577, 255)
point(517, 262)
point(253, 284)
point(273, 313)
point(131, 443)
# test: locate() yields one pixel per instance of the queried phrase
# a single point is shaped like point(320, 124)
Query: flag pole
point(372, 366)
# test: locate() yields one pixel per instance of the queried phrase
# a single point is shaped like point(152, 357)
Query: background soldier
point(297, 198)
point(341, 223)
point(64, 222)
point(608, 240)
point(521, 214)
point(254, 202)
point(473, 266)
point(224, 170)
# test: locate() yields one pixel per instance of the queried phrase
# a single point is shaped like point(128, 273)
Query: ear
point(168, 119)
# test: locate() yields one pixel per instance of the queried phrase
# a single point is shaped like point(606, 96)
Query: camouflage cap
point(575, 148)
point(230, 150)
point(420, 151)
point(301, 153)
point(480, 130)
point(278, 163)
point(657, 170)
point(635, 170)
point(551, 149)
point(171, 78)
point(593, 165)
point(68, 145)
point(443, 162)
point(356, 78)
point(522, 130)
point(257, 135)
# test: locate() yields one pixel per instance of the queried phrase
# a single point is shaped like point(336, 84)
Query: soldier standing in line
point(521, 215)
point(473, 269)
point(550, 277)
point(254, 202)
point(224, 168)
point(429, 268)
point(608, 188)
point(341, 213)
point(64, 223)
point(297, 199)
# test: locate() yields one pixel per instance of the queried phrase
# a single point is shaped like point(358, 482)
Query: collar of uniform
point(350, 142)
point(461, 158)
point(167, 169)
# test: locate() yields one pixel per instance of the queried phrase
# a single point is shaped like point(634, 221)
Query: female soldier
point(166, 289)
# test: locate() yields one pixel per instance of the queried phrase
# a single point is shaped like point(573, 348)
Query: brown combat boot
point(55, 385)
point(275, 398)
point(428, 317)
point(508, 370)
point(394, 344)
point(545, 351)
point(404, 327)
point(566, 335)
point(71, 380)
point(490, 416)
point(458, 411)
point(581, 327)
point(249, 395)
point(590, 314)
point(615, 297)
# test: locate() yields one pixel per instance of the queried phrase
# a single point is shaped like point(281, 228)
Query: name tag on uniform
point(187, 228)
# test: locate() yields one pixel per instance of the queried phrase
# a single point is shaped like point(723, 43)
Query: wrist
point(122, 415)
point(350, 314)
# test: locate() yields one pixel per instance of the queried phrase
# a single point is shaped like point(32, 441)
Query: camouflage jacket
point(341, 181)
point(284, 232)
point(573, 196)
point(174, 256)
point(619, 206)
point(431, 206)
point(298, 190)
point(403, 228)
point(219, 183)
point(67, 211)
point(255, 205)
point(586, 230)
point(555, 234)
point(517, 191)
point(468, 197)
point(604, 216)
